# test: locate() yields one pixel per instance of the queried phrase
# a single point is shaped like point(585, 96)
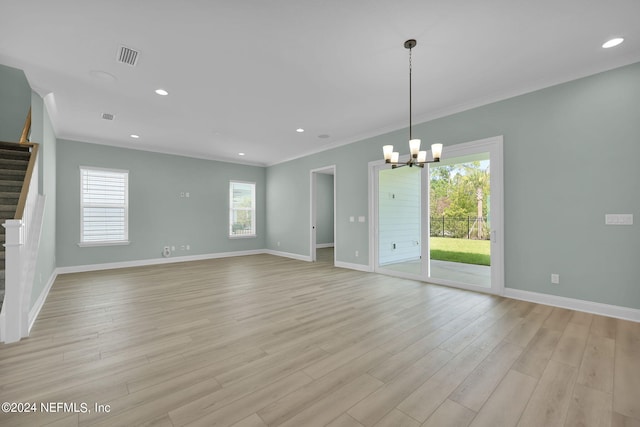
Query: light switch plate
point(618, 219)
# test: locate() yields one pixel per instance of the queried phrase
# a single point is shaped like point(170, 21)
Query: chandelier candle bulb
point(387, 150)
point(394, 157)
point(436, 151)
point(422, 157)
point(414, 147)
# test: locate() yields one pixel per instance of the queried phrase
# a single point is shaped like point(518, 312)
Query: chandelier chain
point(410, 103)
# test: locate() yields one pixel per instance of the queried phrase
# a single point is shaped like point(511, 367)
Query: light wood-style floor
point(267, 341)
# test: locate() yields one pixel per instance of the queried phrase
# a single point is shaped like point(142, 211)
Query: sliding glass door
point(443, 223)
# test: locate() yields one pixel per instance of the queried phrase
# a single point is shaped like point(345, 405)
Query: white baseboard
point(154, 261)
point(289, 255)
point(324, 245)
point(37, 306)
point(351, 266)
point(616, 311)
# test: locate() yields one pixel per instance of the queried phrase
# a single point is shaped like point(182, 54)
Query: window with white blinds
point(104, 206)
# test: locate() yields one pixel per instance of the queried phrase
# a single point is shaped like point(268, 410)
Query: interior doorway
point(323, 212)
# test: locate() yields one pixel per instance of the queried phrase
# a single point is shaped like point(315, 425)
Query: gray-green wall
point(15, 99)
point(158, 215)
point(570, 154)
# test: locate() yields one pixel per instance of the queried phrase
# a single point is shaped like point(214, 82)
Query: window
point(242, 209)
point(104, 206)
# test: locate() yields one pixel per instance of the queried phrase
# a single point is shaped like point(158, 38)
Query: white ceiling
point(242, 75)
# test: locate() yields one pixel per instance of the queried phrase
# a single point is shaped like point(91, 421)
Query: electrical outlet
point(555, 278)
point(357, 254)
point(173, 248)
point(188, 247)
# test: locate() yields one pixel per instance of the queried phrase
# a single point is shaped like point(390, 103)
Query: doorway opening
point(323, 212)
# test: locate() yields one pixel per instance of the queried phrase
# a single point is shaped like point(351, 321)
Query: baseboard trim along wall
point(154, 261)
point(288, 255)
point(351, 266)
point(324, 245)
point(618, 312)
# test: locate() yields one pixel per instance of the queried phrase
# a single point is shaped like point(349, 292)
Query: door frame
point(313, 173)
point(494, 146)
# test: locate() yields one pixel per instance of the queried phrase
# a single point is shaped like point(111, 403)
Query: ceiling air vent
point(128, 56)
point(107, 116)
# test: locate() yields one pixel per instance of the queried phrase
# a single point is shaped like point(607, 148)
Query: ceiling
point(242, 76)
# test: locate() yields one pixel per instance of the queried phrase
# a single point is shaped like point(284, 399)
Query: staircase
point(14, 159)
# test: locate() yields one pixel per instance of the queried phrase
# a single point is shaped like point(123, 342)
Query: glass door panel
point(460, 220)
point(400, 227)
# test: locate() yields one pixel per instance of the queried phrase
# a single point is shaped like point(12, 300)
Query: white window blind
point(242, 209)
point(104, 205)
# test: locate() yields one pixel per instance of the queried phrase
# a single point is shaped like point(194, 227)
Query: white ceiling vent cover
point(107, 116)
point(128, 56)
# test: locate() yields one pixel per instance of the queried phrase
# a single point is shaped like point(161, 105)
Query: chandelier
point(417, 158)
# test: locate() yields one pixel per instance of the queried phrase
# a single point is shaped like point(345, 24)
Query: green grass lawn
point(460, 250)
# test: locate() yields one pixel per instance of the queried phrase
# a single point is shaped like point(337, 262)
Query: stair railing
point(26, 128)
point(22, 237)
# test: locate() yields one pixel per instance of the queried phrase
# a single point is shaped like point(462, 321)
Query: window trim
point(254, 232)
point(125, 241)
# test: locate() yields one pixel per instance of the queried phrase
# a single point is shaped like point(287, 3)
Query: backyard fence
point(469, 227)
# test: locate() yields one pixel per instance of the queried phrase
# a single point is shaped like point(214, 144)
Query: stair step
point(13, 164)
point(10, 185)
point(12, 174)
point(16, 146)
point(14, 154)
point(9, 197)
point(7, 212)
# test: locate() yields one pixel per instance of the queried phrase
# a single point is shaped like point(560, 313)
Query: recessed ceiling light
point(102, 75)
point(613, 42)
point(240, 154)
point(299, 130)
point(134, 136)
point(162, 92)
